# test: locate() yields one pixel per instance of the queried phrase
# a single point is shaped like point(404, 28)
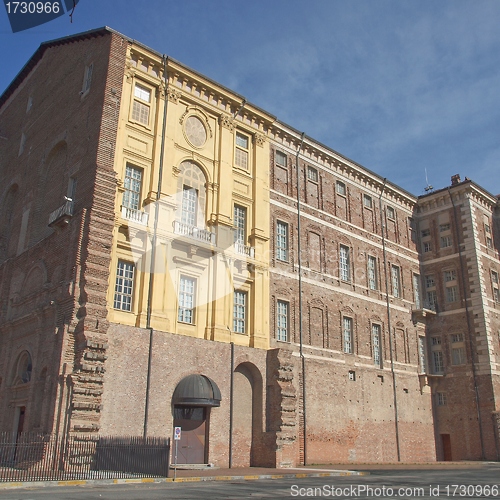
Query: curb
point(83, 482)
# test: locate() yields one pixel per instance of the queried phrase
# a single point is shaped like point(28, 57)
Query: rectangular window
point(425, 233)
point(487, 228)
point(489, 242)
point(432, 300)
point(87, 78)
point(421, 355)
point(457, 337)
point(347, 335)
point(281, 158)
point(341, 189)
point(496, 295)
point(239, 311)
point(241, 152)
point(494, 277)
point(132, 185)
point(416, 291)
point(437, 357)
point(450, 275)
point(429, 281)
point(186, 300)
point(436, 340)
point(372, 273)
point(124, 286)
point(189, 204)
point(240, 223)
point(140, 108)
point(451, 293)
point(282, 241)
point(391, 214)
point(282, 321)
point(444, 227)
point(312, 174)
point(458, 355)
point(427, 246)
point(367, 201)
point(445, 241)
point(441, 398)
point(376, 344)
point(345, 266)
point(396, 281)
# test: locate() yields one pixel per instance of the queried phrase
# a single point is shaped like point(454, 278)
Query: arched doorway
point(192, 401)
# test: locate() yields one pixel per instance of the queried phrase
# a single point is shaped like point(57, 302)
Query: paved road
point(384, 483)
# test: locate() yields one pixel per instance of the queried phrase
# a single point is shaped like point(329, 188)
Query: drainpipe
point(231, 407)
point(469, 327)
point(153, 250)
point(303, 362)
point(389, 326)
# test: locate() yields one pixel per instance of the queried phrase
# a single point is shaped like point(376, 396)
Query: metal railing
point(44, 457)
point(194, 232)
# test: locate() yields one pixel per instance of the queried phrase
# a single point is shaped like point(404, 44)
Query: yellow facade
point(210, 220)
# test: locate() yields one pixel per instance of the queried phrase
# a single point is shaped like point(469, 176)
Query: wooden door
point(446, 441)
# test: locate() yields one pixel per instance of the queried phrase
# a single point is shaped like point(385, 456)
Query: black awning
point(196, 390)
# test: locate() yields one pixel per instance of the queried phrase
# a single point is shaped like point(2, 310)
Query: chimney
point(455, 179)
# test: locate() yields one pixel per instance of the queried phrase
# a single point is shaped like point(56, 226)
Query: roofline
point(494, 198)
point(378, 177)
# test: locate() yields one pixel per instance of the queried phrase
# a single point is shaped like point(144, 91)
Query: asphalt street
point(383, 484)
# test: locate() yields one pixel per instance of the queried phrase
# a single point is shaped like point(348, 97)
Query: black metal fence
point(43, 457)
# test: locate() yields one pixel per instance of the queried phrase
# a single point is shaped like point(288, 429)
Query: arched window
point(191, 188)
point(23, 369)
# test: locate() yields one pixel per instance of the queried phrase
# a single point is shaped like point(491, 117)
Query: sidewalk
point(255, 473)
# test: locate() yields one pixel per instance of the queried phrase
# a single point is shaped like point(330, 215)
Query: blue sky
point(397, 86)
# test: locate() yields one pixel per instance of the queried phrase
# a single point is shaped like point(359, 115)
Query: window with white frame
point(345, 266)
point(132, 185)
point(189, 205)
point(416, 291)
point(367, 201)
point(427, 246)
point(141, 105)
point(282, 321)
point(341, 189)
point(240, 223)
point(239, 311)
point(347, 334)
point(458, 356)
point(489, 242)
point(187, 289)
point(441, 399)
point(446, 241)
point(422, 361)
point(451, 293)
point(376, 345)
point(281, 158)
point(312, 174)
point(124, 286)
point(396, 281)
point(282, 241)
point(494, 280)
point(391, 214)
point(372, 273)
point(430, 291)
point(437, 356)
point(241, 151)
point(450, 275)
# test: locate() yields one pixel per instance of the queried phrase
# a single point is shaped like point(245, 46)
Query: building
point(154, 273)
